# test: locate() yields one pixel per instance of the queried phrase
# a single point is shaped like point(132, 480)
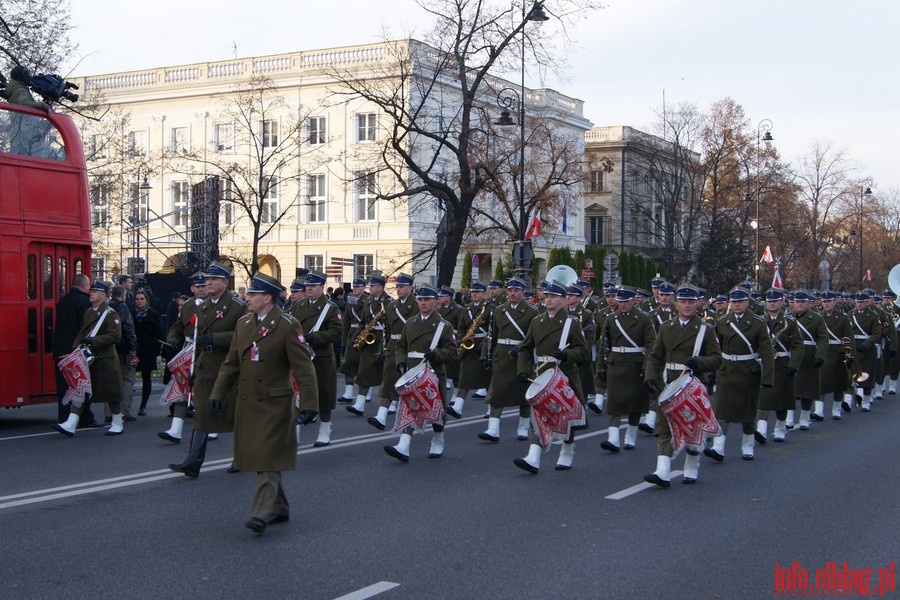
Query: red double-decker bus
point(45, 239)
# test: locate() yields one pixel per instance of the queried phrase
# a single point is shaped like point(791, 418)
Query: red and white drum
point(688, 411)
point(555, 409)
point(420, 397)
point(76, 371)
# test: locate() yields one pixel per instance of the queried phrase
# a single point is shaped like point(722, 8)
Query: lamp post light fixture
point(142, 199)
point(507, 99)
point(763, 134)
point(865, 189)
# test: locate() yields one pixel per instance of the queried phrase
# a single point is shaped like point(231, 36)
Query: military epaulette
point(248, 318)
point(332, 303)
point(644, 312)
point(759, 318)
point(289, 318)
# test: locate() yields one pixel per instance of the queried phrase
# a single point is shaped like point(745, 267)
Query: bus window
point(48, 277)
point(62, 278)
point(77, 266)
point(31, 277)
point(30, 135)
point(48, 330)
point(32, 330)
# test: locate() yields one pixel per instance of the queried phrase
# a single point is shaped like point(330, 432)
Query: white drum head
point(673, 389)
point(411, 374)
point(540, 382)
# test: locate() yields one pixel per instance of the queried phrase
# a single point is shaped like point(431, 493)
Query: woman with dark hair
point(148, 328)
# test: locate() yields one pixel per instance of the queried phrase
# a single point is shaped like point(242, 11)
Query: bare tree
point(433, 98)
point(35, 33)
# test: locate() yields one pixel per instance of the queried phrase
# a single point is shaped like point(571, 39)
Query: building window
point(137, 144)
point(180, 197)
point(269, 134)
point(269, 210)
point(98, 268)
point(179, 143)
point(138, 200)
point(647, 187)
point(315, 185)
point(98, 147)
point(596, 181)
point(363, 265)
point(595, 231)
point(365, 196)
point(314, 262)
point(223, 137)
point(365, 127)
point(100, 206)
point(634, 182)
point(226, 201)
point(317, 133)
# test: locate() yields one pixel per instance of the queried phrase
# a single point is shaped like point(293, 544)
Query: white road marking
point(370, 591)
point(639, 487)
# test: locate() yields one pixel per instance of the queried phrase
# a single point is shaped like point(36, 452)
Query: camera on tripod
point(53, 88)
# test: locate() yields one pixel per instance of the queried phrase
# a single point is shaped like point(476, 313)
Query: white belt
point(508, 342)
point(835, 343)
point(547, 359)
point(378, 328)
point(782, 354)
point(395, 336)
point(676, 367)
point(626, 350)
point(415, 355)
point(479, 335)
point(860, 337)
point(740, 357)
point(354, 325)
point(808, 343)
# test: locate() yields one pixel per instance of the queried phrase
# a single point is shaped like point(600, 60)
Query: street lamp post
point(143, 199)
point(763, 134)
point(507, 99)
point(864, 190)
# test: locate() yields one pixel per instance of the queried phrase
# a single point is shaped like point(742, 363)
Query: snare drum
point(420, 397)
point(555, 409)
point(688, 411)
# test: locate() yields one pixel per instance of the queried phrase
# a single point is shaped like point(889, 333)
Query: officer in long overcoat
point(834, 379)
point(425, 337)
point(352, 322)
point(629, 338)
point(320, 319)
point(554, 339)
point(788, 347)
point(509, 323)
point(268, 347)
point(372, 356)
point(865, 322)
point(815, 349)
point(449, 311)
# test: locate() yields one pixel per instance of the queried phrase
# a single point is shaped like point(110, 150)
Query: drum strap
point(99, 322)
point(437, 336)
point(627, 337)
point(321, 319)
point(513, 323)
point(564, 338)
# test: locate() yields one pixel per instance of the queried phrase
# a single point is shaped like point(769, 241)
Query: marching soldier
point(788, 347)
point(320, 318)
point(217, 316)
point(296, 293)
point(509, 323)
point(471, 331)
point(553, 339)
point(371, 355)
point(684, 343)
point(449, 311)
point(495, 295)
point(609, 308)
point(267, 347)
point(815, 349)
point(586, 369)
point(180, 332)
point(747, 363)
point(866, 325)
point(629, 337)
point(833, 377)
point(663, 312)
point(352, 322)
point(425, 336)
point(100, 331)
point(892, 367)
point(588, 301)
point(397, 313)
point(888, 343)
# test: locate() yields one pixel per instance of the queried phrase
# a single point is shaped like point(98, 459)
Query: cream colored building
point(325, 191)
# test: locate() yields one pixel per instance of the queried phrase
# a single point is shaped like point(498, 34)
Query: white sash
point(627, 337)
point(321, 319)
point(514, 324)
point(437, 336)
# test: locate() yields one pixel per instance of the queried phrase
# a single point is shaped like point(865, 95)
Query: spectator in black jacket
point(69, 316)
point(149, 332)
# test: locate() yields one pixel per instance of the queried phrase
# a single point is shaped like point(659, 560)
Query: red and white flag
point(776, 280)
point(767, 256)
point(534, 228)
point(868, 276)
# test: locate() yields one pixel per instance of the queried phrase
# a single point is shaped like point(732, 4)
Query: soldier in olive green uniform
point(747, 363)
point(554, 339)
point(509, 323)
point(267, 347)
point(475, 316)
point(834, 380)
point(181, 332)
point(665, 294)
point(684, 343)
point(892, 367)
point(629, 337)
point(609, 308)
point(888, 344)
point(397, 313)
point(815, 349)
point(320, 319)
point(449, 311)
point(788, 346)
point(425, 336)
point(865, 322)
point(352, 322)
point(100, 331)
point(217, 316)
point(371, 356)
point(587, 369)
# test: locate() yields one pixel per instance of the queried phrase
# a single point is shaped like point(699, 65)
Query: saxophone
point(365, 336)
point(468, 341)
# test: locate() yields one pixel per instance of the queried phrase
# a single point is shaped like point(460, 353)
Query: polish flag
point(534, 228)
point(776, 280)
point(767, 256)
point(868, 276)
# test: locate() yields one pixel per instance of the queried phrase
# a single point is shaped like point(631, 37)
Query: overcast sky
point(819, 70)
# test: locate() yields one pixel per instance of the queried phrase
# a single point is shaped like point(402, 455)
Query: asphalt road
point(103, 517)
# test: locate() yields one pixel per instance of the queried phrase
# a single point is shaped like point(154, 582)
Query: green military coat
point(815, 345)
point(352, 322)
point(738, 380)
point(586, 370)
point(625, 360)
point(218, 320)
point(508, 328)
point(416, 337)
point(398, 313)
point(260, 362)
point(106, 370)
point(833, 378)
point(788, 346)
point(307, 312)
point(450, 313)
point(866, 327)
point(542, 339)
point(472, 374)
point(371, 356)
point(182, 329)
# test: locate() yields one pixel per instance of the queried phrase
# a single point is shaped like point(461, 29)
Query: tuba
point(858, 376)
point(564, 274)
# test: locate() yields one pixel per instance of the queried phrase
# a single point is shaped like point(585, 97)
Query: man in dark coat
point(69, 316)
point(788, 346)
point(834, 380)
point(372, 356)
point(865, 322)
point(509, 324)
point(267, 348)
point(127, 350)
point(815, 349)
point(100, 332)
point(474, 317)
point(351, 323)
point(449, 311)
point(425, 337)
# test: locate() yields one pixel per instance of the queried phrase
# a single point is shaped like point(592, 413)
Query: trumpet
point(468, 340)
point(365, 336)
point(858, 376)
